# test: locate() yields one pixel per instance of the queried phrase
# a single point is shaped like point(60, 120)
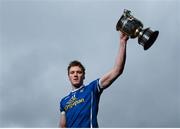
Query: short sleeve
point(100, 90)
point(61, 106)
point(95, 85)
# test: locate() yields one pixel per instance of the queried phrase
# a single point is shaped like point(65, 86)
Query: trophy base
point(148, 38)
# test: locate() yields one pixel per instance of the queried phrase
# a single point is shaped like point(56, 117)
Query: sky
point(38, 39)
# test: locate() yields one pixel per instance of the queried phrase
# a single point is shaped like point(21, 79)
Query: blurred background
point(38, 39)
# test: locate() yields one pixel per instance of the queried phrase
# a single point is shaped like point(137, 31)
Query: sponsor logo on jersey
point(73, 102)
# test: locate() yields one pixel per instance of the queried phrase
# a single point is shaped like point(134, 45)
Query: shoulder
point(66, 98)
point(94, 82)
point(95, 86)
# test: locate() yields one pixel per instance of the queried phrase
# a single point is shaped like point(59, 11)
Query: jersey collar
point(77, 89)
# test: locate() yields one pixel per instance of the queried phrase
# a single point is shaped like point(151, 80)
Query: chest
point(77, 100)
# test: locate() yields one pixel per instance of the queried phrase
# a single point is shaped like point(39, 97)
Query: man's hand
point(123, 38)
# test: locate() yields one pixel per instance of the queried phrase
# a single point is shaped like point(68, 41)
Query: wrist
point(123, 43)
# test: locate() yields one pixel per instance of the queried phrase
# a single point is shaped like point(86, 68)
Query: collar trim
point(77, 89)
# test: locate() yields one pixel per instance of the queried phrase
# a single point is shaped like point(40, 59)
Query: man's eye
point(71, 72)
point(79, 72)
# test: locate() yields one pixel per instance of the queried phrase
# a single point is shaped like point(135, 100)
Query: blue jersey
point(81, 106)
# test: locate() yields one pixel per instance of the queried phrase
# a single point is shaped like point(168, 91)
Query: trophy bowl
point(133, 28)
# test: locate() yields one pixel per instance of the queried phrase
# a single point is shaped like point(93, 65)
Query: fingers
point(123, 36)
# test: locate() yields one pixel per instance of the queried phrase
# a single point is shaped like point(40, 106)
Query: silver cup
point(134, 28)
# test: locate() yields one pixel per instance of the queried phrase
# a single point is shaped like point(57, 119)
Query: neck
point(75, 88)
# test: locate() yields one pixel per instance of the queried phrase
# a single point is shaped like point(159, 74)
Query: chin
point(77, 85)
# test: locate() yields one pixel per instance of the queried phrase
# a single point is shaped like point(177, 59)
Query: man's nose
point(75, 74)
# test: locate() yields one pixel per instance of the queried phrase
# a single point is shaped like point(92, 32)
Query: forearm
point(120, 59)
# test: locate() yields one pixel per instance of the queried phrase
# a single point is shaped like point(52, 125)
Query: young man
point(80, 107)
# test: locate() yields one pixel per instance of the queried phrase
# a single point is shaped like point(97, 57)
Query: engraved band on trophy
point(134, 28)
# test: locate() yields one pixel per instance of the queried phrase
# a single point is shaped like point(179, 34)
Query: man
point(80, 107)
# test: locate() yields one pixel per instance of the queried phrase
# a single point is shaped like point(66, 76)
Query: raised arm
point(107, 79)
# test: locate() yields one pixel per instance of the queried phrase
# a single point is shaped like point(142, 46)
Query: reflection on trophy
point(134, 28)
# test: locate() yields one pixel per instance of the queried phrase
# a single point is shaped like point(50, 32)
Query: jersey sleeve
point(61, 107)
point(100, 90)
point(95, 85)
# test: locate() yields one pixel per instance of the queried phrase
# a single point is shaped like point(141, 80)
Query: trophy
point(133, 28)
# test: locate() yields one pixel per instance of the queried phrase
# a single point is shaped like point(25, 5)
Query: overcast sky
point(38, 39)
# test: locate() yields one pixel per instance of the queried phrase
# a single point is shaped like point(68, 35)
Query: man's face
point(76, 76)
